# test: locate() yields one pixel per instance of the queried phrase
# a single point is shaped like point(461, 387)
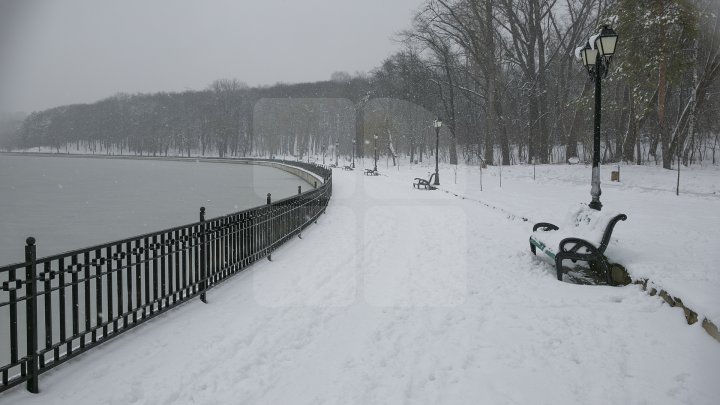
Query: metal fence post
point(269, 202)
point(31, 316)
point(299, 189)
point(203, 256)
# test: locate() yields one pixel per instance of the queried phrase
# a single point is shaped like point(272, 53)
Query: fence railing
point(58, 307)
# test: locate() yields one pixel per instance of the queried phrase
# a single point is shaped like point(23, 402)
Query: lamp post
point(323, 154)
point(353, 155)
point(375, 168)
point(437, 124)
point(596, 56)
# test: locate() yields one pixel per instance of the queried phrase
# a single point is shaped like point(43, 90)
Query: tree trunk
point(662, 98)
point(541, 90)
point(572, 138)
point(631, 130)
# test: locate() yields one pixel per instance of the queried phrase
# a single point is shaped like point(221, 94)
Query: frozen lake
point(72, 203)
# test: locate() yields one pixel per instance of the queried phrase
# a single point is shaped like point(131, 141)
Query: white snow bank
point(671, 240)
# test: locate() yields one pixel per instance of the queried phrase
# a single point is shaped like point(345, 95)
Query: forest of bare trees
point(501, 74)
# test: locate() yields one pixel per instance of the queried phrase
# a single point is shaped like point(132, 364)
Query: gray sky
point(55, 52)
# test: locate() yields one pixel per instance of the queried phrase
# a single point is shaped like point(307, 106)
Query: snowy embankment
point(406, 296)
point(670, 240)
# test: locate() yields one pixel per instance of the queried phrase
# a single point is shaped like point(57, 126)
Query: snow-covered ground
point(406, 296)
point(670, 240)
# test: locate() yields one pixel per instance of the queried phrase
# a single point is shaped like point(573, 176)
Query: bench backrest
point(594, 226)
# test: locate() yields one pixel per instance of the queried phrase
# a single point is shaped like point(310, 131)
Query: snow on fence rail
point(60, 306)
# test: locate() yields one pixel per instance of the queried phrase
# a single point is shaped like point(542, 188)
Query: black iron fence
point(60, 306)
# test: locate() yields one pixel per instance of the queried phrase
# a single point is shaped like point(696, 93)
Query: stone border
point(621, 277)
point(690, 315)
point(310, 178)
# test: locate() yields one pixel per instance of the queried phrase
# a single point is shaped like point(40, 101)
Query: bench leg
point(601, 265)
point(606, 268)
point(558, 266)
point(532, 249)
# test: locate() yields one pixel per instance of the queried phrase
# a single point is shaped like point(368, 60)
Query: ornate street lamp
point(353, 155)
point(375, 168)
point(437, 124)
point(596, 56)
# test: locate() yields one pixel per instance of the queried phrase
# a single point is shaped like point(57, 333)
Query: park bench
point(427, 184)
point(584, 237)
point(371, 172)
point(347, 167)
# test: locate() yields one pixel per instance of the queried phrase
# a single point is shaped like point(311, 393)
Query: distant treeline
point(501, 74)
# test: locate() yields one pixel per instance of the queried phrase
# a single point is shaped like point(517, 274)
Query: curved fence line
point(63, 305)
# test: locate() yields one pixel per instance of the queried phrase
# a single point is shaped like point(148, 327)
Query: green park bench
point(585, 238)
point(427, 184)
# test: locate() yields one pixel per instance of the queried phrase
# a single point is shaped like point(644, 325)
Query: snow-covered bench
point(427, 184)
point(585, 236)
point(371, 172)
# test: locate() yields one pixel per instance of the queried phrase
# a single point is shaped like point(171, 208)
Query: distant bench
point(585, 238)
point(427, 184)
point(371, 172)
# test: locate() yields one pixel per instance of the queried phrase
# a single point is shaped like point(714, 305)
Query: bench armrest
point(609, 231)
point(546, 226)
point(575, 244)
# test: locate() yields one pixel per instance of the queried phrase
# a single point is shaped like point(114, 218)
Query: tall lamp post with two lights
point(596, 56)
point(437, 124)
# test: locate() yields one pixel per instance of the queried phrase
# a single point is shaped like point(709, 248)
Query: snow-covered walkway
point(401, 296)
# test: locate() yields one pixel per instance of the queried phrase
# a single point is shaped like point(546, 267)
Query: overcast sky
point(55, 52)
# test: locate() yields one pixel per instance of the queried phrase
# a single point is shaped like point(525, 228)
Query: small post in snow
point(481, 175)
point(500, 169)
point(677, 190)
point(533, 159)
